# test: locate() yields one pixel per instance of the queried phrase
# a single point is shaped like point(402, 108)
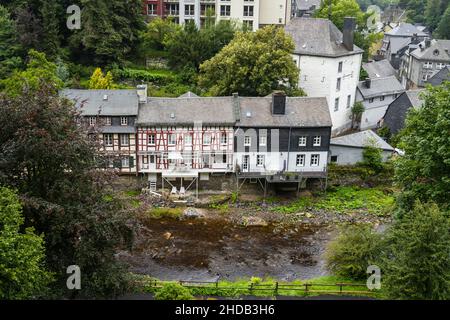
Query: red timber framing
point(158, 4)
point(200, 148)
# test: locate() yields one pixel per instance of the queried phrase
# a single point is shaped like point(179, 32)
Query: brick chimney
point(348, 33)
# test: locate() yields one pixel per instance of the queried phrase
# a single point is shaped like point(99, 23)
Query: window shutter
point(131, 162)
point(117, 163)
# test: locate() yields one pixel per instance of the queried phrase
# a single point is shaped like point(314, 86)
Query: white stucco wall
point(318, 77)
point(374, 111)
point(349, 155)
point(271, 11)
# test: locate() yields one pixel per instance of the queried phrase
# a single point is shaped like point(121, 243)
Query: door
point(245, 163)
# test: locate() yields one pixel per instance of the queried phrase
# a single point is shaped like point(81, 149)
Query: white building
point(329, 64)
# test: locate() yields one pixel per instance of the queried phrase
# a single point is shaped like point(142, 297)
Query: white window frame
point(249, 11)
point(260, 160)
point(338, 84)
point(92, 121)
point(188, 140)
point(263, 141)
point(123, 121)
point(207, 139)
point(225, 10)
point(336, 104)
point(428, 65)
point(151, 141)
point(247, 141)
point(315, 160)
point(122, 136)
point(153, 11)
point(300, 160)
point(170, 141)
point(125, 162)
point(109, 142)
point(340, 66)
point(302, 141)
point(223, 138)
point(108, 121)
point(317, 141)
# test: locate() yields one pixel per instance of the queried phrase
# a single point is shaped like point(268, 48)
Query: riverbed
point(208, 249)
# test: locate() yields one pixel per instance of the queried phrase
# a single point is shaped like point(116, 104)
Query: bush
point(372, 158)
point(173, 291)
point(350, 254)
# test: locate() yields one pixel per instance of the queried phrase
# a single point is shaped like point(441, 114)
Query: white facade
point(319, 78)
point(375, 109)
point(343, 155)
point(277, 12)
point(273, 162)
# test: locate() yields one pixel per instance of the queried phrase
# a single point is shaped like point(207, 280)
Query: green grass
point(265, 287)
point(158, 213)
point(344, 200)
point(132, 193)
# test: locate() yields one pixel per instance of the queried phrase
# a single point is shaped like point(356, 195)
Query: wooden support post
point(276, 288)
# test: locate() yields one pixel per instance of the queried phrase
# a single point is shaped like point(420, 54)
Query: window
point(315, 160)
point(317, 141)
point(108, 121)
point(108, 139)
point(189, 10)
point(92, 121)
point(340, 67)
point(260, 160)
point(336, 104)
point(428, 65)
point(172, 139)
point(338, 84)
point(123, 121)
point(440, 65)
point(349, 100)
point(302, 141)
point(223, 138)
point(248, 24)
point(206, 138)
point(173, 9)
point(300, 161)
point(188, 140)
point(225, 10)
point(248, 11)
point(125, 162)
point(262, 141)
point(247, 141)
point(370, 100)
point(152, 9)
point(382, 98)
point(124, 139)
point(151, 139)
point(334, 159)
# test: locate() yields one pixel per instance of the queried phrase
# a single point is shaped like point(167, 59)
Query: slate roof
point(380, 86)
point(254, 112)
point(300, 112)
point(439, 50)
point(307, 4)
point(360, 140)
point(91, 102)
point(317, 37)
point(379, 69)
point(396, 44)
point(397, 111)
point(440, 77)
point(186, 111)
point(117, 129)
point(406, 30)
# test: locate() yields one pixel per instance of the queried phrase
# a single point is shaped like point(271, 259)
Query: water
point(211, 249)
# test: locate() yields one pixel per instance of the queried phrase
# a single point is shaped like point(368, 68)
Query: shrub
point(355, 248)
point(173, 291)
point(372, 157)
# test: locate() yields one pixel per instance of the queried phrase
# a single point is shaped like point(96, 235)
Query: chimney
point(279, 103)
point(348, 33)
point(142, 93)
point(236, 106)
point(368, 83)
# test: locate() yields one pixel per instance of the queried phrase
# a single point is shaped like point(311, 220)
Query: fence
point(273, 289)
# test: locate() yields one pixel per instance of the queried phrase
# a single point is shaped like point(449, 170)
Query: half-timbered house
point(112, 115)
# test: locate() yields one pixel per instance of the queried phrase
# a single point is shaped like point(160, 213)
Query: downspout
point(289, 149)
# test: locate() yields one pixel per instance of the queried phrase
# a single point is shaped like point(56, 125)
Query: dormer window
point(92, 121)
point(108, 121)
point(302, 141)
point(317, 141)
point(123, 121)
point(247, 141)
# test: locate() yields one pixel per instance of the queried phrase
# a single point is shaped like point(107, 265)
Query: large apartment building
point(253, 13)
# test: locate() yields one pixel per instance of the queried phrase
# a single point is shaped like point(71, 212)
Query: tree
point(372, 157)
point(109, 31)
point(48, 157)
point(424, 171)
point(156, 31)
point(253, 64)
point(355, 248)
point(38, 69)
point(173, 291)
point(50, 27)
point(99, 81)
point(190, 46)
point(443, 29)
point(22, 254)
point(9, 50)
point(357, 112)
point(416, 263)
